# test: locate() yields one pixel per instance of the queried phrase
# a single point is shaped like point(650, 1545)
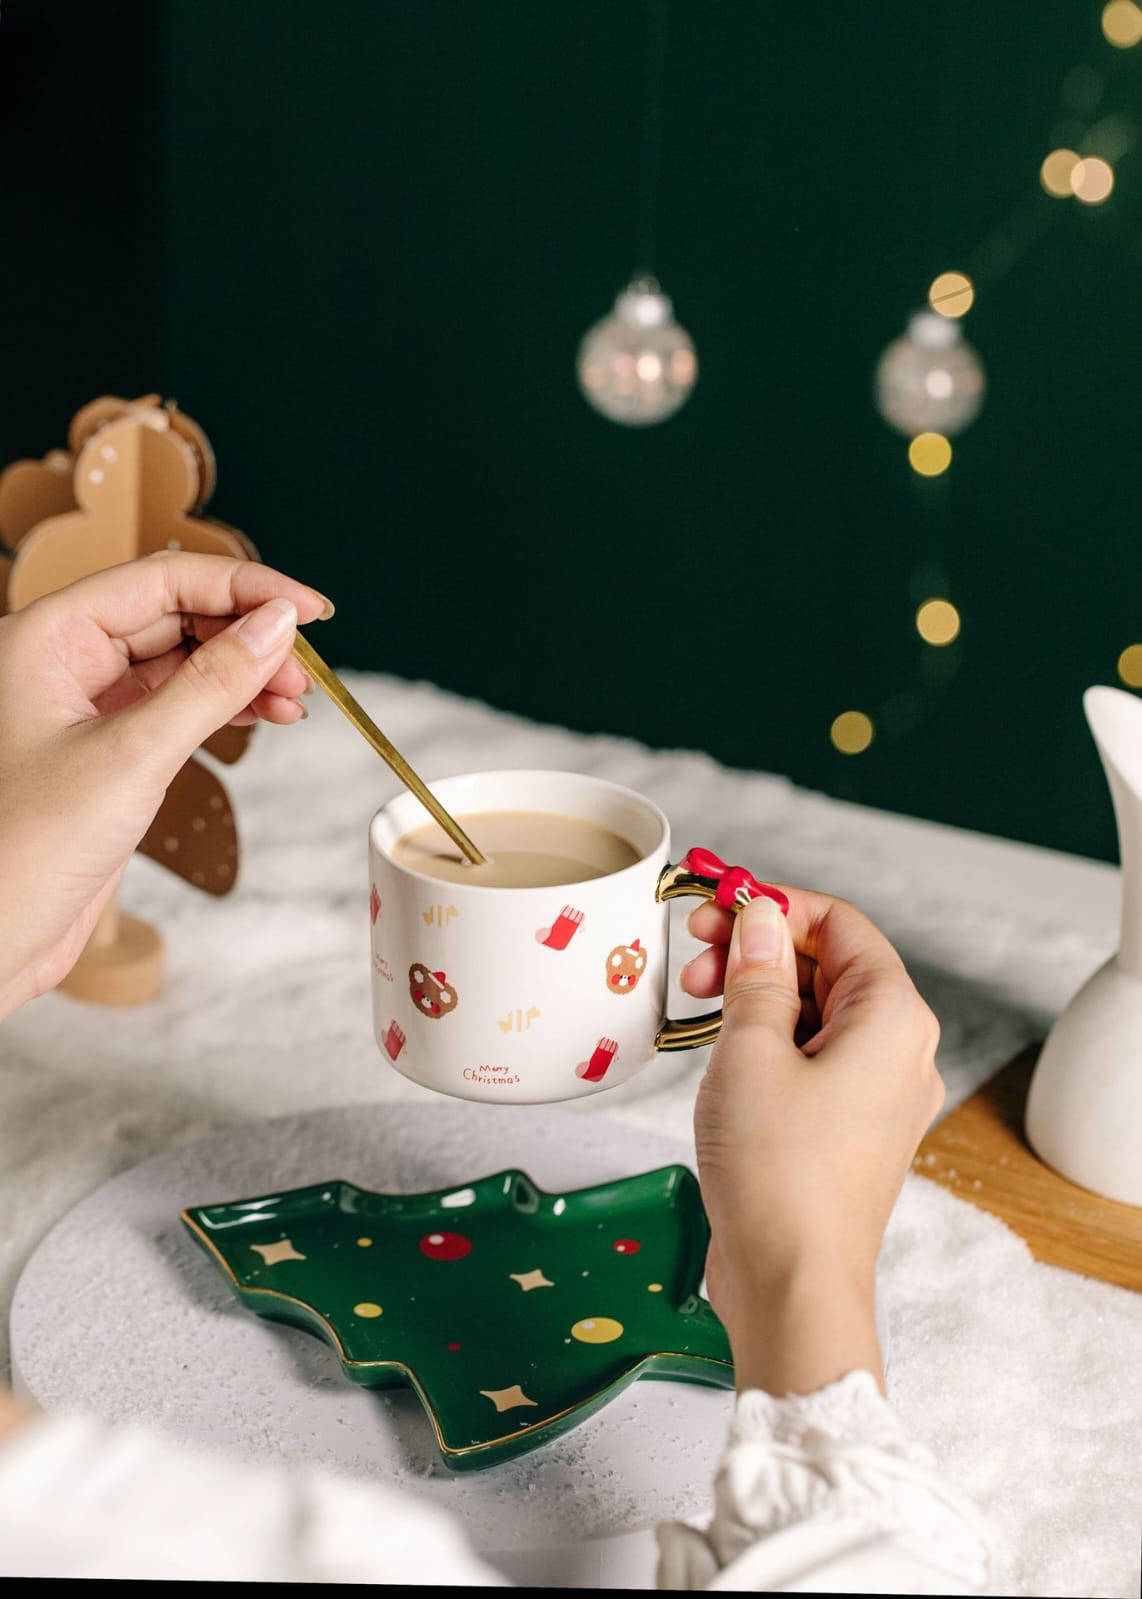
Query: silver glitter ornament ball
point(637, 366)
point(930, 380)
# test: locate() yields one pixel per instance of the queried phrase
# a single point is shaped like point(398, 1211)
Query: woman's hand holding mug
point(818, 1091)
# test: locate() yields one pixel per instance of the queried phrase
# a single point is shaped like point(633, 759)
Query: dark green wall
point(78, 288)
point(382, 226)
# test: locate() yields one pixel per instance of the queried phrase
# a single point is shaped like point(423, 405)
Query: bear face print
point(625, 965)
point(431, 992)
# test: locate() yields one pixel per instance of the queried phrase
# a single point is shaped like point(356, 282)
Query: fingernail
point(264, 630)
point(330, 610)
point(302, 709)
point(761, 931)
point(308, 689)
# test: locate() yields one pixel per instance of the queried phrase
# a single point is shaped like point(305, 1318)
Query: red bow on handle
point(736, 886)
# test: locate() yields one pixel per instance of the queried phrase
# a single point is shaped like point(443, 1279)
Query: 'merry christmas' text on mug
point(519, 995)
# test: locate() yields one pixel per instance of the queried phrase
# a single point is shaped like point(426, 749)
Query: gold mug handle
point(702, 874)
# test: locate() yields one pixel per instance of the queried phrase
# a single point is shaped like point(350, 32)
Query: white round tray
point(119, 1314)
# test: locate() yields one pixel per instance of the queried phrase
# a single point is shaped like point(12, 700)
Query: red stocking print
point(393, 1041)
point(595, 1069)
point(562, 930)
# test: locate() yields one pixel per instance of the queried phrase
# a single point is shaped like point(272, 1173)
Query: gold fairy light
point(951, 294)
point(1092, 179)
point(929, 454)
point(938, 622)
point(1055, 173)
point(852, 732)
point(1122, 24)
point(1130, 666)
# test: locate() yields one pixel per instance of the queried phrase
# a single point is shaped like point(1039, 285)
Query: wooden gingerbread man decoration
point(134, 481)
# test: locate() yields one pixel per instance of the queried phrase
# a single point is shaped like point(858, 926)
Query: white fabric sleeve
point(81, 1499)
point(816, 1493)
point(825, 1493)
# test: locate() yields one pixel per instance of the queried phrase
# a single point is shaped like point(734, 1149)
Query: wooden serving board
point(981, 1154)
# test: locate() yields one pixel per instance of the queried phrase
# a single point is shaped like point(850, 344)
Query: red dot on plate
point(453, 1346)
point(445, 1246)
point(627, 1246)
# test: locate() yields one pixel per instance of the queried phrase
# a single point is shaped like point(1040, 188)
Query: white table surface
point(1025, 1380)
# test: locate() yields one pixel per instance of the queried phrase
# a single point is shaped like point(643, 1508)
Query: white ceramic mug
point(520, 995)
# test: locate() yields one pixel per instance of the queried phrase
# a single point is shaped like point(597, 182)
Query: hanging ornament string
point(637, 365)
point(654, 88)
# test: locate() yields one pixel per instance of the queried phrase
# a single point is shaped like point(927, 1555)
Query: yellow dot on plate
point(951, 294)
point(364, 1243)
point(937, 622)
point(929, 454)
point(1130, 665)
point(654, 1288)
point(1092, 180)
point(851, 732)
point(1055, 173)
point(367, 1310)
point(597, 1330)
point(1122, 23)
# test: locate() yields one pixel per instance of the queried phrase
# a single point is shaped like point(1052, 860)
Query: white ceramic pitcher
point(1084, 1110)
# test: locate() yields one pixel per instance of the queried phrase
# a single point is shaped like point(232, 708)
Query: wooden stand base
point(121, 965)
point(980, 1153)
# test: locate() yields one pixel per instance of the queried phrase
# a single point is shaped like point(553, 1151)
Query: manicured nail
point(330, 610)
point(302, 709)
point(761, 930)
point(308, 689)
point(264, 630)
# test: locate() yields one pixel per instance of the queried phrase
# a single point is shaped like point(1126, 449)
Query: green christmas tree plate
point(514, 1314)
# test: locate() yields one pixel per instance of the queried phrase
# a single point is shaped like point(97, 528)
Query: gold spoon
point(327, 678)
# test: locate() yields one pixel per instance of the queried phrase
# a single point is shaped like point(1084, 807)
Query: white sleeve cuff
point(811, 1480)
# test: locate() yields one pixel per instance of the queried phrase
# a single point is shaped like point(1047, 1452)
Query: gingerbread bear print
point(431, 992)
point(625, 965)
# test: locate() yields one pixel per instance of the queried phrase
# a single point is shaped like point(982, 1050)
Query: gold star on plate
point(507, 1398)
point(530, 1279)
point(273, 1253)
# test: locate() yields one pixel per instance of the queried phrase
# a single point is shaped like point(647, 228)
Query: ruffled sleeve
point(815, 1494)
point(824, 1492)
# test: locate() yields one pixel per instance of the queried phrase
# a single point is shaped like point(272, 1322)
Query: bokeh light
point(1130, 666)
point(1055, 173)
point(1122, 23)
point(1092, 179)
point(937, 622)
point(852, 732)
point(951, 294)
point(929, 454)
